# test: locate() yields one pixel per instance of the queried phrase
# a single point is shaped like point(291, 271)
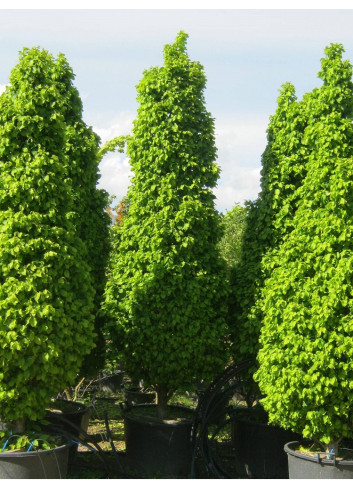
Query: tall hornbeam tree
point(306, 371)
point(167, 287)
point(83, 151)
point(46, 293)
point(268, 219)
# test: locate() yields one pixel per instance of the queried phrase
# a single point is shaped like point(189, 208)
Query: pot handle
point(319, 456)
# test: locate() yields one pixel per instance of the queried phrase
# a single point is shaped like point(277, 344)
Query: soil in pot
point(304, 464)
point(155, 447)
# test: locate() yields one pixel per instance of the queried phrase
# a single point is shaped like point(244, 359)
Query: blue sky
point(246, 53)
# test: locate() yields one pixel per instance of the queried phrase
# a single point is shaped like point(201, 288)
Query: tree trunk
point(162, 401)
point(19, 425)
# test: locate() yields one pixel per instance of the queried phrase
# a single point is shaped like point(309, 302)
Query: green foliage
point(306, 371)
point(233, 224)
point(167, 286)
point(268, 219)
point(29, 441)
point(46, 296)
point(115, 143)
point(92, 222)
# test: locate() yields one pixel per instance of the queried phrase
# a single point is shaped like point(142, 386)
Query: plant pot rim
point(112, 399)
point(289, 448)
point(145, 419)
point(136, 388)
point(76, 407)
point(34, 453)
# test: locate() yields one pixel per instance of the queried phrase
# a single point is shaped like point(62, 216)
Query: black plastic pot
point(259, 446)
point(44, 464)
point(111, 383)
point(136, 395)
point(73, 418)
point(307, 467)
point(155, 447)
point(74, 412)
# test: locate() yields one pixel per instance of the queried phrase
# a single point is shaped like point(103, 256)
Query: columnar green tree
point(46, 294)
point(306, 371)
point(92, 222)
point(167, 287)
point(268, 219)
point(83, 151)
point(82, 147)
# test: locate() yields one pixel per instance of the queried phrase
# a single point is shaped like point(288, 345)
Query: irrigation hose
point(206, 409)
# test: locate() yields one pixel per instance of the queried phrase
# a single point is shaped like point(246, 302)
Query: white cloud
point(114, 167)
point(116, 173)
point(119, 126)
point(244, 185)
point(240, 141)
point(244, 27)
point(2, 88)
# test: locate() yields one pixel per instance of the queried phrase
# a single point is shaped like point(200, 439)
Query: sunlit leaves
point(307, 339)
point(167, 286)
point(268, 219)
point(233, 224)
point(46, 296)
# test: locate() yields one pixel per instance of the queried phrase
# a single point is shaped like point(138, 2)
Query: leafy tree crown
point(305, 368)
point(46, 297)
point(167, 284)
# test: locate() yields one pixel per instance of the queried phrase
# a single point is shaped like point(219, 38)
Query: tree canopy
point(268, 219)
point(305, 363)
point(46, 293)
point(167, 287)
